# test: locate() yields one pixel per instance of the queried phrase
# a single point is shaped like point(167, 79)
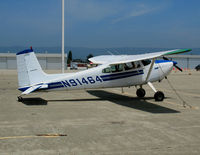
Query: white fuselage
point(94, 78)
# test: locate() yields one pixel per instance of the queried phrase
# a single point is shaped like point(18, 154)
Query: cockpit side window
point(137, 64)
point(146, 62)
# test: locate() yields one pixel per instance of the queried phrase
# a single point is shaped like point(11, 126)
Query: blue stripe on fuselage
point(165, 61)
point(162, 61)
point(121, 75)
point(55, 85)
point(50, 86)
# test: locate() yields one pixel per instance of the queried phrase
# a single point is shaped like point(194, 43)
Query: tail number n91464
point(82, 81)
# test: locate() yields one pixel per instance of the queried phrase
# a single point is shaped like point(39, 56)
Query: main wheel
point(159, 96)
point(140, 92)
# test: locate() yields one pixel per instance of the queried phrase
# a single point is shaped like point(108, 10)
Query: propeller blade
point(178, 68)
point(174, 64)
point(165, 58)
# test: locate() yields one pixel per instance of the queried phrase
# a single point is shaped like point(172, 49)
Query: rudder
point(29, 69)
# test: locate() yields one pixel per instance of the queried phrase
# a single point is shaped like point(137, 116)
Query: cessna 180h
point(113, 71)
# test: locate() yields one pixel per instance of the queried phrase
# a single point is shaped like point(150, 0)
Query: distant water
point(83, 52)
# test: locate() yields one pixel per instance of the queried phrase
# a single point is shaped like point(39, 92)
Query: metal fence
point(186, 61)
point(53, 61)
point(47, 61)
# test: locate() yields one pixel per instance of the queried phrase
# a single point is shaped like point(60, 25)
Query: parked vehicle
point(73, 66)
point(197, 67)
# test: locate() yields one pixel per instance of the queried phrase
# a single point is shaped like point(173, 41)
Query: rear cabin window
point(129, 65)
point(106, 70)
point(116, 68)
point(146, 62)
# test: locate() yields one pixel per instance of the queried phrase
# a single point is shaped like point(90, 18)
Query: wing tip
point(179, 51)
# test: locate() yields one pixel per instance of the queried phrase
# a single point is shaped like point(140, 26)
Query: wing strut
point(150, 69)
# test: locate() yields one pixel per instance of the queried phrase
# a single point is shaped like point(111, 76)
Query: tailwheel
point(159, 96)
point(20, 99)
point(140, 92)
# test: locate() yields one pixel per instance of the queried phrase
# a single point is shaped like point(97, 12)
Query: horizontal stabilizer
point(31, 89)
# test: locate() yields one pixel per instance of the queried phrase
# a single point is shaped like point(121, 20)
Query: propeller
point(174, 64)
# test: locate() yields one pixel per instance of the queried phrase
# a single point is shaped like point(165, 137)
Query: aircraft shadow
point(132, 102)
point(34, 101)
point(77, 100)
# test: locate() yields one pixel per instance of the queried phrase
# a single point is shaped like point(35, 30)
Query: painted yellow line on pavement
point(17, 137)
point(34, 136)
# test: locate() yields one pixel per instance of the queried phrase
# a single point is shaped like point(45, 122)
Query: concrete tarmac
point(103, 121)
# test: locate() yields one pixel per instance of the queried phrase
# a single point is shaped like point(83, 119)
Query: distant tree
point(69, 57)
point(89, 56)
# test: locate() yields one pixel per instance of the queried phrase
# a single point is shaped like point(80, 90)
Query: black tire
point(140, 92)
point(159, 96)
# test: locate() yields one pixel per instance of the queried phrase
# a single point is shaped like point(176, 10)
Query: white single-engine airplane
point(114, 71)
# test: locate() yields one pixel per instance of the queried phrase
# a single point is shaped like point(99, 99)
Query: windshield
point(146, 62)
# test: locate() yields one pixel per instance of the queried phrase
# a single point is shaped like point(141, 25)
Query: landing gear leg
point(140, 92)
point(159, 95)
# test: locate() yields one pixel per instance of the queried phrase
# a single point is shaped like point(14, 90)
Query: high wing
point(118, 59)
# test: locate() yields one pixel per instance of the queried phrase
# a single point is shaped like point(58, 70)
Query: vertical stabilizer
point(29, 69)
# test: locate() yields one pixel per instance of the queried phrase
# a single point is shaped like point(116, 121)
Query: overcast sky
point(101, 23)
